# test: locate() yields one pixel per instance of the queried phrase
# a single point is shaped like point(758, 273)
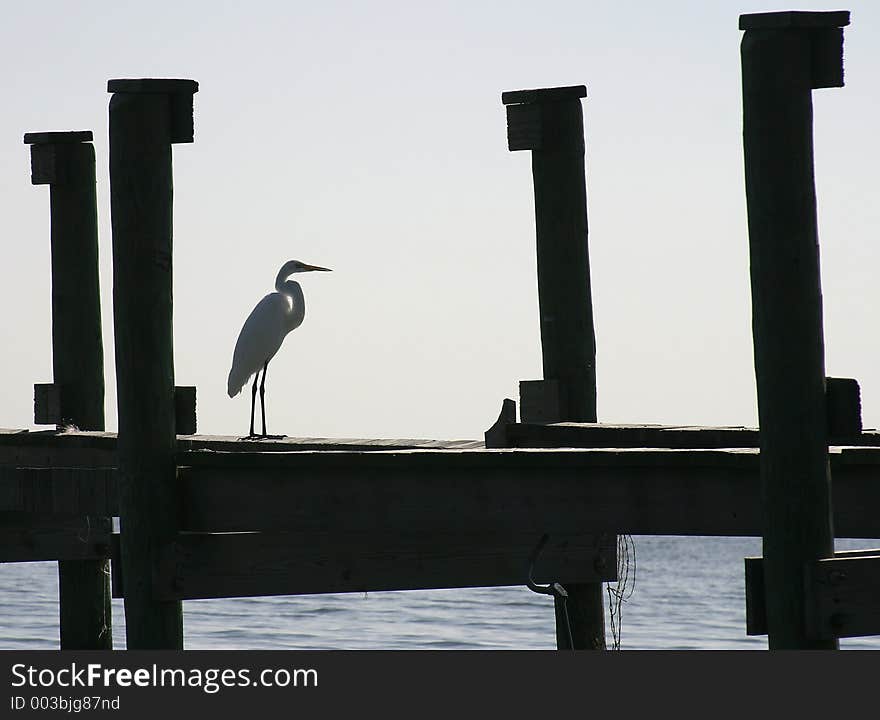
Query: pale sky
point(370, 138)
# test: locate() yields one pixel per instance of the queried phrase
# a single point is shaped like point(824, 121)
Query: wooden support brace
point(47, 404)
point(213, 565)
point(116, 577)
point(539, 401)
point(526, 126)
point(185, 409)
point(30, 538)
point(180, 92)
point(496, 436)
point(59, 491)
point(844, 407)
point(46, 166)
point(634, 491)
point(842, 595)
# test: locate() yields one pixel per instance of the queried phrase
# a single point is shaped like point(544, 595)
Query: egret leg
point(253, 402)
point(263, 396)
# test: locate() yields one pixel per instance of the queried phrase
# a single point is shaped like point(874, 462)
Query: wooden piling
point(784, 56)
point(146, 117)
point(66, 162)
point(549, 122)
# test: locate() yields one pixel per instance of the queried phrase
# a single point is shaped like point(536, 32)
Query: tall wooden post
point(66, 162)
point(784, 56)
point(146, 117)
point(550, 123)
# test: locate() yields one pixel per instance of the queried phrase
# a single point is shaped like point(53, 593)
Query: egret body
point(263, 332)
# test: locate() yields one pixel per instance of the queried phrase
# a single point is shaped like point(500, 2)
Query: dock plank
point(604, 435)
point(625, 491)
point(26, 539)
point(255, 564)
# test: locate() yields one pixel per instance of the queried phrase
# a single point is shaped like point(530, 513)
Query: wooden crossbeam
point(203, 565)
point(593, 435)
point(71, 491)
point(840, 595)
point(635, 491)
point(98, 449)
point(558, 491)
point(75, 448)
point(33, 539)
point(843, 595)
point(639, 492)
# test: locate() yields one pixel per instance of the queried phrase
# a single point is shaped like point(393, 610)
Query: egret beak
point(316, 267)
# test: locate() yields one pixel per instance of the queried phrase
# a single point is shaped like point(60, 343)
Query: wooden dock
point(542, 498)
point(317, 515)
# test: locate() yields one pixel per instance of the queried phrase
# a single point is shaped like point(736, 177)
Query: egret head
point(297, 266)
point(294, 266)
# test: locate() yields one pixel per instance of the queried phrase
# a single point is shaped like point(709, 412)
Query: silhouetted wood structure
point(65, 161)
point(205, 517)
point(784, 56)
point(550, 123)
point(146, 117)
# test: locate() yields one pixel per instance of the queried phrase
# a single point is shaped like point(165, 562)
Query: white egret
point(263, 332)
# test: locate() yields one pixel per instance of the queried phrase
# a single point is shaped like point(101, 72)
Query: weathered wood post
point(784, 56)
point(550, 123)
point(146, 117)
point(66, 162)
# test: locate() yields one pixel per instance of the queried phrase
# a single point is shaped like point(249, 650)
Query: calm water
point(689, 594)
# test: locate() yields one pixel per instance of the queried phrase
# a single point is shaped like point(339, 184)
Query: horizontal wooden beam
point(54, 448)
point(77, 448)
point(30, 539)
point(70, 491)
point(843, 595)
point(638, 492)
point(255, 564)
point(594, 435)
